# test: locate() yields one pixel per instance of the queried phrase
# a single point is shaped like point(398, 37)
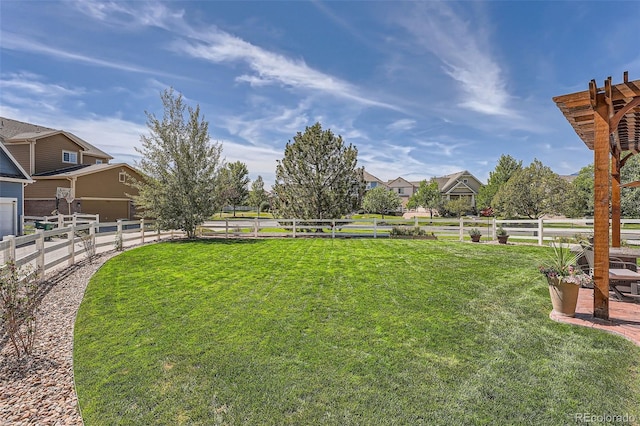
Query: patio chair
point(624, 280)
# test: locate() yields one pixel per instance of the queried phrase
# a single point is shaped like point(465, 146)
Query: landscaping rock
point(39, 389)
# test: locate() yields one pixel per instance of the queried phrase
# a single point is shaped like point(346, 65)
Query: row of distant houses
point(456, 185)
point(44, 171)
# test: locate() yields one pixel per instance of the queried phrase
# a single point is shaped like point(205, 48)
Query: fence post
point(92, 234)
point(461, 229)
point(60, 221)
point(141, 231)
point(40, 251)
point(71, 236)
point(415, 219)
point(540, 229)
point(97, 217)
point(74, 219)
point(494, 229)
point(12, 246)
point(158, 234)
point(226, 228)
point(294, 228)
point(375, 227)
point(255, 229)
point(333, 228)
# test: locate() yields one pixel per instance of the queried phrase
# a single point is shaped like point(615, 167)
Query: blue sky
point(422, 89)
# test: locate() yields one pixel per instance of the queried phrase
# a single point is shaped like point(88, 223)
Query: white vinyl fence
point(46, 250)
point(537, 231)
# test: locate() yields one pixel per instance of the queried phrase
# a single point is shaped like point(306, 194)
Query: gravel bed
point(39, 389)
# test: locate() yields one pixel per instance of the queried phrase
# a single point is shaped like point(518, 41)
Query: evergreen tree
point(180, 167)
point(318, 177)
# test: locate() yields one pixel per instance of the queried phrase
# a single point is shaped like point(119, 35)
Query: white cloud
point(13, 41)
point(403, 124)
point(465, 55)
point(217, 46)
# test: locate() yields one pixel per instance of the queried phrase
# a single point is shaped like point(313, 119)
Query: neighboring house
point(13, 179)
point(59, 159)
point(403, 188)
point(456, 185)
point(461, 184)
point(372, 181)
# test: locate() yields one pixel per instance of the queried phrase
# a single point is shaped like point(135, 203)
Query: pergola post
point(601, 211)
point(615, 198)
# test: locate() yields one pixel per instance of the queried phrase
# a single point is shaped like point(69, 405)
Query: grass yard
point(318, 331)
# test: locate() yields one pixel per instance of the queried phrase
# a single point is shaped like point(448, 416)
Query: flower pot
point(502, 239)
point(564, 297)
point(475, 238)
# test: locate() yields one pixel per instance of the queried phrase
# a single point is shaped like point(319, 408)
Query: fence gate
point(8, 216)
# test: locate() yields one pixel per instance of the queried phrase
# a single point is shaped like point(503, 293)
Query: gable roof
point(448, 182)
point(368, 177)
point(17, 131)
point(82, 170)
point(400, 180)
point(18, 174)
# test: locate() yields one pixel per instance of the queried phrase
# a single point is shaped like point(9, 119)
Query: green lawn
point(339, 332)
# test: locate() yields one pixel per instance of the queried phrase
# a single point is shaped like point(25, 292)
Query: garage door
point(8, 216)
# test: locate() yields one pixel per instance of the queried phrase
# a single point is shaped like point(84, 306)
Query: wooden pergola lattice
point(607, 119)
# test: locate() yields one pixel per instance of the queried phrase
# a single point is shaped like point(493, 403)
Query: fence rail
point(538, 231)
point(47, 249)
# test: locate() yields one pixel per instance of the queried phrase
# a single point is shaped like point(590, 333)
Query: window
point(70, 157)
point(122, 177)
point(98, 161)
point(400, 190)
point(465, 180)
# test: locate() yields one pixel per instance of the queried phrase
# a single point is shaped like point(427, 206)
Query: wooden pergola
point(607, 119)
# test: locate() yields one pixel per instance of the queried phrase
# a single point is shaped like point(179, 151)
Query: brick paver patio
point(624, 317)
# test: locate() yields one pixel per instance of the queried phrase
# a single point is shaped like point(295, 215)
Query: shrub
point(89, 244)
point(18, 306)
point(408, 231)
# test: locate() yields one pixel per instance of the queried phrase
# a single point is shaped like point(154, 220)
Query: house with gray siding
point(13, 179)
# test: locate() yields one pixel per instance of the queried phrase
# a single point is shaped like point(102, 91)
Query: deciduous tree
point(180, 167)
point(427, 196)
point(257, 195)
point(532, 192)
point(318, 177)
point(630, 197)
point(234, 184)
point(506, 167)
point(381, 200)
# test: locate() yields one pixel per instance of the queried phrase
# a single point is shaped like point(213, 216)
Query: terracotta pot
point(502, 239)
point(475, 238)
point(564, 297)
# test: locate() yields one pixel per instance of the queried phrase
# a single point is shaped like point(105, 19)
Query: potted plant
point(502, 235)
point(475, 235)
point(564, 278)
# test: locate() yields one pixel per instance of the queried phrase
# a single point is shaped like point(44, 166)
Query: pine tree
point(318, 177)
